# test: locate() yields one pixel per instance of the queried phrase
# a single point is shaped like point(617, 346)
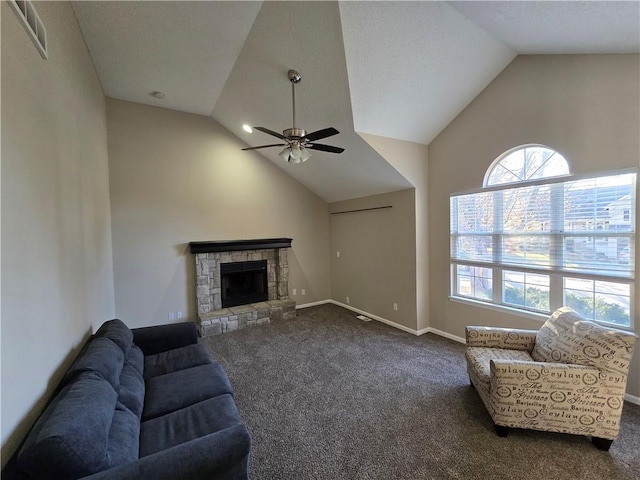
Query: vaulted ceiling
point(402, 70)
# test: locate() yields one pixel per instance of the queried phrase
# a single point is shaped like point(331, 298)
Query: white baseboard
point(312, 304)
point(375, 317)
point(450, 336)
point(632, 398)
point(627, 396)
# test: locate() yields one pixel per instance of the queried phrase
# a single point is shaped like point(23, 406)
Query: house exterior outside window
point(535, 238)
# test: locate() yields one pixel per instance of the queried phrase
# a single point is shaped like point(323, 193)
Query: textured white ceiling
point(560, 27)
point(413, 67)
point(183, 49)
point(394, 69)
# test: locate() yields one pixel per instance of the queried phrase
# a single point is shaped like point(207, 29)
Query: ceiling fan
point(298, 141)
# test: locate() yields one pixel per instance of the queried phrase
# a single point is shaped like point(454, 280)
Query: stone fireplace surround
point(213, 319)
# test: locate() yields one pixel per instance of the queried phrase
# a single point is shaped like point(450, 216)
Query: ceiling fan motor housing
point(294, 133)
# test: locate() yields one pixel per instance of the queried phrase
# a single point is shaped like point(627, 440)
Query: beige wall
point(412, 161)
point(584, 106)
point(377, 263)
point(57, 275)
point(178, 177)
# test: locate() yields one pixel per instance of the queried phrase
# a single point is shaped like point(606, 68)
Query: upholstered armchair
point(569, 377)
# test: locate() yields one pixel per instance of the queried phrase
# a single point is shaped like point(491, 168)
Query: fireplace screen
point(243, 283)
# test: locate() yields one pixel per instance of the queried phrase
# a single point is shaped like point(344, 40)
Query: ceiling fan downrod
point(294, 77)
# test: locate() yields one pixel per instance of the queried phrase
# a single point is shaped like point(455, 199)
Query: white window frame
point(556, 278)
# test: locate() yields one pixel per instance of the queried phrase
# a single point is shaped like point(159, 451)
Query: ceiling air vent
point(31, 22)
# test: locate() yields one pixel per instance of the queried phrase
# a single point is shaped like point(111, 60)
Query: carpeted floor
point(327, 396)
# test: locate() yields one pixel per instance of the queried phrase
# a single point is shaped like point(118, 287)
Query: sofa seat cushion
point(71, 437)
point(176, 390)
point(479, 359)
point(174, 360)
point(102, 356)
point(209, 416)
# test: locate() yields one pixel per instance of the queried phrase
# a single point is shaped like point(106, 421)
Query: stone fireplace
point(241, 283)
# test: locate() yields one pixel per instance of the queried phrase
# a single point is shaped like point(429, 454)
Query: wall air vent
point(31, 22)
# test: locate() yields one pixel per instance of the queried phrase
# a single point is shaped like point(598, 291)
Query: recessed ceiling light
point(157, 94)
point(247, 128)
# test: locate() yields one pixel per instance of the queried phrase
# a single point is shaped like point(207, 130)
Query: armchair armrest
point(558, 376)
point(507, 338)
point(161, 338)
point(222, 454)
point(555, 397)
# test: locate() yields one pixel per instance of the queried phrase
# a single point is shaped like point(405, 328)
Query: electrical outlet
point(395, 307)
point(179, 315)
point(347, 300)
point(172, 316)
point(338, 254)
point(303, 292)
point(294, 291)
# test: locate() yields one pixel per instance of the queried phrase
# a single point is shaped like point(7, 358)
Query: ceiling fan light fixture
point(285, 153)
point(296, 153)
point(247, 128)
point(305, 155)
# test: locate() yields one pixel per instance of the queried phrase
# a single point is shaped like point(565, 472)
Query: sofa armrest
point(222, 454)
point(161, 338)
point(507, 338)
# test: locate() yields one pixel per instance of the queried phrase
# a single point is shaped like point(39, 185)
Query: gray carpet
point(327, 396)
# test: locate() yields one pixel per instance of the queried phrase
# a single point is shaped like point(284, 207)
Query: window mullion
point(556, 250)
point(496, 244)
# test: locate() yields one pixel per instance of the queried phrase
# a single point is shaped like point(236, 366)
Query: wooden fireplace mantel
point(237, 245)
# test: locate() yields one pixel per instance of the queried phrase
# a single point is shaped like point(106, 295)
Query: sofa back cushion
point(132, 389)
point(568, 338)
point(71, 437)
point(116, 331)
point(124, 437)
point(102, 356)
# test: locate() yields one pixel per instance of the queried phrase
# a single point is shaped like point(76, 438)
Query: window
point(535, 238)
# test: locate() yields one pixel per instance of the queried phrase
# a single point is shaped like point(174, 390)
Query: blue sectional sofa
point(147, 403)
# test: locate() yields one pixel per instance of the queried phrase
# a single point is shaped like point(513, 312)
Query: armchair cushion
point(480, 358)
point(567, 338)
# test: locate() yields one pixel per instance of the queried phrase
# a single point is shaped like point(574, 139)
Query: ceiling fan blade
point(271, 132)
point(319, 134)
point(266, 146)
point(325, 148)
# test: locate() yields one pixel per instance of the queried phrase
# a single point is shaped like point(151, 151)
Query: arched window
point(527, 162)
point(535, 238)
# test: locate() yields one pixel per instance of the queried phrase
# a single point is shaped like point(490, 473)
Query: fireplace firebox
point(243, 283)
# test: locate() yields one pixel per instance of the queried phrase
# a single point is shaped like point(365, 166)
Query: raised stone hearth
point(214, 319)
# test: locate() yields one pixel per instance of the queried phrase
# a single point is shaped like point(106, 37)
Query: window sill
point(540, 317)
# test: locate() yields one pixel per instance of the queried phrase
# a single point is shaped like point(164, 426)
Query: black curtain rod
point(361, 210)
